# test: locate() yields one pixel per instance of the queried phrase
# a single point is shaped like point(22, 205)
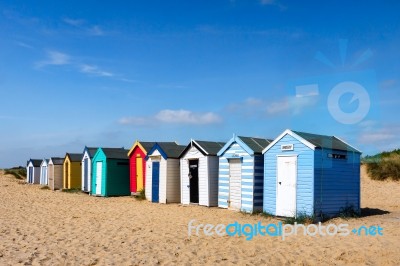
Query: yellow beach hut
point(72, 171)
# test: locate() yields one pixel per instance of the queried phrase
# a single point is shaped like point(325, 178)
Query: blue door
point(155, 191)
point(85, 176)
point(30, 175)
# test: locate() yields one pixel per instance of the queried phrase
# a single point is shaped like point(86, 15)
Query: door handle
point(280, 183)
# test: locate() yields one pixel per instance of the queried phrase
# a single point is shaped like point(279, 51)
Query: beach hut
point(310, 174)
point(241, 168)
point(163, 173)
point(199, 173)
point(55, 172)
point(86, 165)
point(33, 171)
point(137, 165)
point(43, 172)
point(72, 171)
point(110, 172)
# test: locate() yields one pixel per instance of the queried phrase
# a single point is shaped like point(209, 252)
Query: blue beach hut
point(240, 179)
point(310, 174)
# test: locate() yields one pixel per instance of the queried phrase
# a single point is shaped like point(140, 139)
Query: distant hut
point(110, 172)
point(72, 171)
point(55, 172)
point(44, 180)
point(33, 171)
point(86, 163)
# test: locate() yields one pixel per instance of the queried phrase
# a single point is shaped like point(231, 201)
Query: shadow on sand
point(365, 212)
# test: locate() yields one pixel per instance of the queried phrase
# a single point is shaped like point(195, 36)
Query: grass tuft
point(301, 218)
point(71, 190)
point(141, 195)
point(348, 212)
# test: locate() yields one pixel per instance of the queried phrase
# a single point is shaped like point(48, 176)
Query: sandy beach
point(44, 227)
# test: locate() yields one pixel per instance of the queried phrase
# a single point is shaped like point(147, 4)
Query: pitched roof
point(326, 142)
point(75, 157)
point(256, 144)
point(211, 147)
point(91, 151)
point(57, 160)
point(147, 145)
point(169, 149)
point(45, 161)
point(205, 147)
point(35, 162)
point(115, 153)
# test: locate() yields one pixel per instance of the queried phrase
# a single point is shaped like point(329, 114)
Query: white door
point(286, 186)
point(235, 186)
point(99, 172)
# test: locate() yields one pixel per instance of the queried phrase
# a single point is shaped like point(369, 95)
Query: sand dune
point(43, 227)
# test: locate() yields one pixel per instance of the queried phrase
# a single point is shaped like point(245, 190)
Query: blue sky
point(79, 73)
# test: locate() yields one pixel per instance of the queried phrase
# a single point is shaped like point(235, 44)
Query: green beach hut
point(110, 172)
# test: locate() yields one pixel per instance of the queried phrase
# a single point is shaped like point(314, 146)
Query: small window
point(337, 156)
point(122, 163)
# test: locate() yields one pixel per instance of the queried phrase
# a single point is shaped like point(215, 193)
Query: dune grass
point(17, 172)
point(384, 168)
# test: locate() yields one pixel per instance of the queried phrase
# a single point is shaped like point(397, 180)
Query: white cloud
point(55, 58)
point(187, 117)
point(94, 70)
point(168, 116)
point(278, 107)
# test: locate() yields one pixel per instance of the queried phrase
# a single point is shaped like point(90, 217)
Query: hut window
point(122, 163)
point(337, 156)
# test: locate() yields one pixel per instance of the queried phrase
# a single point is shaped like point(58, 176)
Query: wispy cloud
point(81, 24)
point(267, 2)
point(292, 105)
point(55, 58)
point(96, 31)
point(168, 116)
point(272, 3)
point(373, 133)
point(94, 70)
point(74, 22)
point(23, 44)
point(388, 83)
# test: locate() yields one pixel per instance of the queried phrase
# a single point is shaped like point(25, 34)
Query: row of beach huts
point(295, 173)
